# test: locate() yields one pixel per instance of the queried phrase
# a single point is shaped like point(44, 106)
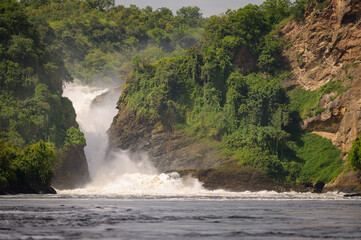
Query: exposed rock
point(346, 182)
point(327, 40)
point(234, 178)
point(326, 47)
point(341, 122)
point(319, 186)
point(33, 189)
point(129, 131)
point(353, 195)
point(167, 150)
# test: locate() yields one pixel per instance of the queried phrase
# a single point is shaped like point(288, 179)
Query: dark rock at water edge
point(32, 189)
point(238, 179)
point(353, 195)
point(318, 187)
point(233, 178)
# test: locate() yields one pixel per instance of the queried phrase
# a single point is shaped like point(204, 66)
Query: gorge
point(153, 124)
point(260, 98)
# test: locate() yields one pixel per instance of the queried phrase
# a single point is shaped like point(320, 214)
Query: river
point(129, 199)
point(263, 215)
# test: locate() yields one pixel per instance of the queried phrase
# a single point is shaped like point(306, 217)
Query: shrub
point(321, 158)
point(74, 137)
point(354, 155)
point(34, 164)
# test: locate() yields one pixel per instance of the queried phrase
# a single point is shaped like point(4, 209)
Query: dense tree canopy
point(98, 40)
point(32, 110)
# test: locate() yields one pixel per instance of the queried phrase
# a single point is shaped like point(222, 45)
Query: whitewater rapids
point(117, 172)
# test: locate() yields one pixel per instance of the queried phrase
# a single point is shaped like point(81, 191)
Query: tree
point(189, 12)
point(101, 4)
point(35, 3)
point(74, 137)
point(8, 153)
point(35, 163)
point(276, 10)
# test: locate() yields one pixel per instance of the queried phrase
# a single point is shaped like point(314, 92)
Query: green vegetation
point(321, 159)
point(32, 110)
point(299, 7)
point(204, 93)
point(354, 155)
point(306, 103)
point(74, 137)
point(27, 167)
point(97, 43)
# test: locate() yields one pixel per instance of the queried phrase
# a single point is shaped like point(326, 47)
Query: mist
point(116, 171)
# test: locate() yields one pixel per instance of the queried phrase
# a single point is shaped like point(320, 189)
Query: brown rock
point(326, 47)
point(167, 150)
point(234, 178)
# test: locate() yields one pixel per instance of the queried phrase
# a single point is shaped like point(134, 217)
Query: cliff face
point(177, 151)
point(167, 150)
point(326, 41)
point(326, 47)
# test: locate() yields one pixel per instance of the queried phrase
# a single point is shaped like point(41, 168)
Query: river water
point(263, 215)
point(129, 199)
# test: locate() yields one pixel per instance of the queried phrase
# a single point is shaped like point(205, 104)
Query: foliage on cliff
point(32, 110)
point(97, 42)
point(204, 93)
point(29, 167)
point(354, 155)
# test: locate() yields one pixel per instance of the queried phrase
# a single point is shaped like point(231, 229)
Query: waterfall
point(117, 171)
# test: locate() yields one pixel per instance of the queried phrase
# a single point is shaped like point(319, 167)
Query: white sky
point(208, 7)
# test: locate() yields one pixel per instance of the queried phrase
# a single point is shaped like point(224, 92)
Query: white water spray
point(116, 172)
point(93, 120)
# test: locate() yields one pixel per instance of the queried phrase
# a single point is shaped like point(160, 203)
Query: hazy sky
point(208, 7)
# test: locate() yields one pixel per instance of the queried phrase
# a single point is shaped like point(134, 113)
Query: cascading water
point(93, 120)
point(115, 172)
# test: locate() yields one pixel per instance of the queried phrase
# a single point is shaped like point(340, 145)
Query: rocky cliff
point(325, 47)
point(175, 150)
point(167, 150)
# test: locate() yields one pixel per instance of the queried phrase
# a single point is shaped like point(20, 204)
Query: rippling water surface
point(263, 215)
